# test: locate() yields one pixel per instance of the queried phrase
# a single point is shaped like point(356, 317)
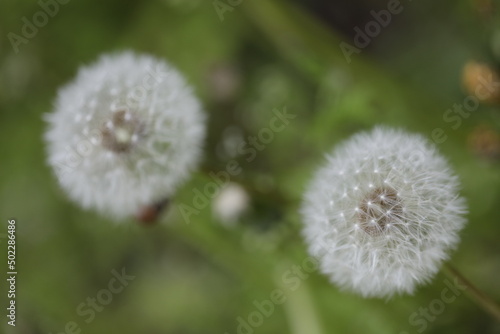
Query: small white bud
point(230, 203)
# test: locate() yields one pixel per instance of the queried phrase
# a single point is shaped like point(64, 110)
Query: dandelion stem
point(301, 312)
point(489, 305)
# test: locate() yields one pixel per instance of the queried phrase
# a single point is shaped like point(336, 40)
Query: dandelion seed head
point(402, 222)
point(141, 127)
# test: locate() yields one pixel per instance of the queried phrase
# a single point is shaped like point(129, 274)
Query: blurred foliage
point(265, 55)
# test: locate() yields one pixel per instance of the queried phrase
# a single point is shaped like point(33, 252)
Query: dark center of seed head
point(378, 209)
point(120, 132)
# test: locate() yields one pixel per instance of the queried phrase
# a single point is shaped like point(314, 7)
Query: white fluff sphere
point(124, 133)
point(232, 201)
point(383, 212)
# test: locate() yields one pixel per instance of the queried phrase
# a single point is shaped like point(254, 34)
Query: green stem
point(301, 313)
point(477, 295)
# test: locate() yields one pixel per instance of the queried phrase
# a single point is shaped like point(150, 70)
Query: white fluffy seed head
point(382, 213)
point(124, 133)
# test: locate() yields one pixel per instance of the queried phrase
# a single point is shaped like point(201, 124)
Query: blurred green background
point(259, 55)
